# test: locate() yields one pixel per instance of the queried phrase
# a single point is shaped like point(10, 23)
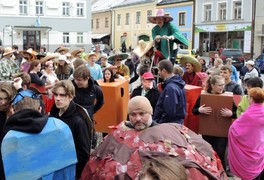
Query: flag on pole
point(37, 23)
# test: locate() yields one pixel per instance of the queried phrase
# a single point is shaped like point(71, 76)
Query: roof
point(133, 2)
point(163, 2)
point(104, 5)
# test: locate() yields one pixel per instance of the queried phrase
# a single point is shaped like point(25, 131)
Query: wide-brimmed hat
point(87, 57)
point(160, 14)
point(193, 61)
point(75, 52)
point(49, 56)
point(30, 52)
point(63, 58)
point(40, 56)
point(8, 50)
point(117, 54)
point(143, 47)
point(63, 49)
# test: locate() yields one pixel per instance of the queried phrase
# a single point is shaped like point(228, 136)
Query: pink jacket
point(246, 143)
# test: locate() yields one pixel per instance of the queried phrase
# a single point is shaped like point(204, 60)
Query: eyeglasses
point(142, 113)
point(19, 97)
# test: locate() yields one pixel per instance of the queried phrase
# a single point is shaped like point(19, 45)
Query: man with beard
point(192, 66)
point(171, 105)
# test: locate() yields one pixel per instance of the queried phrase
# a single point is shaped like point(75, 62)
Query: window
point(66, 38)
point(39, 7)
point(80, 38)
point(106, 22)
point(92, 23)
point(97, 23)
point(237, 10)
point(66, 9)
point(149, 13)
point(23, 7)
point(118, 19)
point(80, 9)
point(222, 11)
point(127, 18)
point(182, 17)
point(138, 17)
point(208, 12)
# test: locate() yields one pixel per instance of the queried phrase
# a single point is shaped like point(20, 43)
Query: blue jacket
point(171, 106)
point(234, 76)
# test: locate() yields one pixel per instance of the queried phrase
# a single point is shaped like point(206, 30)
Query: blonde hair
point(177, 70)
point(166, 168)
point(67, 86)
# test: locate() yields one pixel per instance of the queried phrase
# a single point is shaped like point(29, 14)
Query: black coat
point(80, 133)
point(152, 95)
point(86, 97)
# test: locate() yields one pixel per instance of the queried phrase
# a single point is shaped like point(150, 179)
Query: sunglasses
point(19, 97)
point(118, 59)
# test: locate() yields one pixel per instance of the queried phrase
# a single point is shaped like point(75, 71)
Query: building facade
point(182, 13)
point(130, 22)
point(223, 24)
point(259, 27)
point(101, 22)
point(49, 23)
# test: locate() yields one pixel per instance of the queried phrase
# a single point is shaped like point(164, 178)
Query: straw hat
point(8, 50)
point(49, 56)
point(30, 52)
point(87, 57)
point(117, 53)
point(143, 47)
point(193, 61)
point(63, 49)
point(160, 14)
point(75, 52)
point(40, 56)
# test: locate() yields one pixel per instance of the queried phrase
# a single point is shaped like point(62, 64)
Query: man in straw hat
point(165, 30)
point(28, 56)
point(121, 68)
point(77, 53)
point(192, 66)
point(62, 50)
point(95, 69)
point(104, 61)
point(7, 65)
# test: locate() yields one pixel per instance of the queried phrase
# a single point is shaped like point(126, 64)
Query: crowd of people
point(153, 142)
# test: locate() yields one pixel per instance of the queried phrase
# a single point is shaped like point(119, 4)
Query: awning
point(99, 36)
point(32, 28)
